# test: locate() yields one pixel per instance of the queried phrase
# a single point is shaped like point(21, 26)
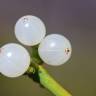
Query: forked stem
point(48, 82)
point(44, 78)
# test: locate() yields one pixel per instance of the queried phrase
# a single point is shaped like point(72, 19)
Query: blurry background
point(76, 19)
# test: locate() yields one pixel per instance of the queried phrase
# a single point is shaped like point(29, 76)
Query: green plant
point(53, 50)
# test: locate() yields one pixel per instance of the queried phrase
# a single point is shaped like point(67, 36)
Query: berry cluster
point(53, 49)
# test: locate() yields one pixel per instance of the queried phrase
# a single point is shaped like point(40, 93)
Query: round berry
point(55, 49)
point(14, 60)
point(30, 30)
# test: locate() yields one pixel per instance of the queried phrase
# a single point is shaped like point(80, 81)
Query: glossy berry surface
point(14, 60)
point(30, 30)
point(55, 49)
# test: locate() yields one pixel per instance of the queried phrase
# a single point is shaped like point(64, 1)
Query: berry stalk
point(48, 82)
point(43, 76)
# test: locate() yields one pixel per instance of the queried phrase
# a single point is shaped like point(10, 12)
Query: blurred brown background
point(76, 19)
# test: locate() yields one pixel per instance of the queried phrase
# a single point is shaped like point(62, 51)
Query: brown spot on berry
point(25, 19)
point(67, 50)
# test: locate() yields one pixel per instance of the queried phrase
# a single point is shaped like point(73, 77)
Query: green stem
point(48, 82)
point(45, 79)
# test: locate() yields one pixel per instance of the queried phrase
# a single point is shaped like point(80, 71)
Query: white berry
point(55, 49)
point(30, 30)
point(14, 60)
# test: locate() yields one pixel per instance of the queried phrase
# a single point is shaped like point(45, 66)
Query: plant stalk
point(44, 78)
point(48, 82)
